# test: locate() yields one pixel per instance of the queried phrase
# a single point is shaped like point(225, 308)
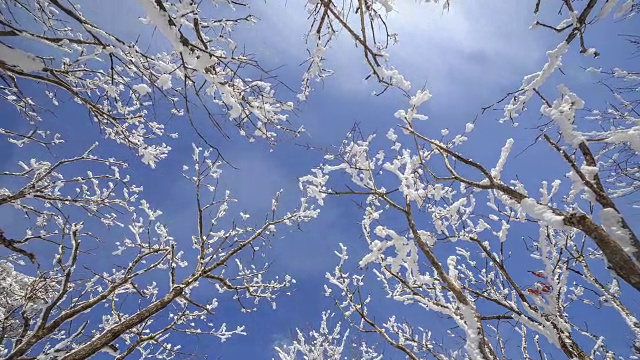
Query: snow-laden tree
point(617, 123)
point(499, 265)
point(198, 68)
point(326, 343)
point(97, 269)
point(94, 267)
point(155, 287)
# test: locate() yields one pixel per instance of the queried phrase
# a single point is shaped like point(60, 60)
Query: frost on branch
point(440, 229)
point(120, 81)
point(531, 82)
point(599, 148)
point(161, 282)
point(40, 189)
point(576, 19)
point(21, 295)
point(192, 66)
point(617, 142)
point(365, 23)
point(325, 343)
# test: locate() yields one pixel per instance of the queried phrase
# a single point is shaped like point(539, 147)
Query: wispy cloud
point(467, 45)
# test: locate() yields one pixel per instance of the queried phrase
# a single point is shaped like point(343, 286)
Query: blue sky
point(468, 57)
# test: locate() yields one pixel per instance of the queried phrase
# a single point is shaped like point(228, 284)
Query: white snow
point(21, 59)
point(606, 8)
point(541, 213)
point(420, 97)
point(611, 222)
point(623, 9)
point(506, 149)
point(535, 80)
point(469, 128)
point(161, 20)
point(164, 81)
point(563, 113)
point(141, 89)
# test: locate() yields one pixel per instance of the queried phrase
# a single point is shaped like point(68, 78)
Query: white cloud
point(474, 43)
